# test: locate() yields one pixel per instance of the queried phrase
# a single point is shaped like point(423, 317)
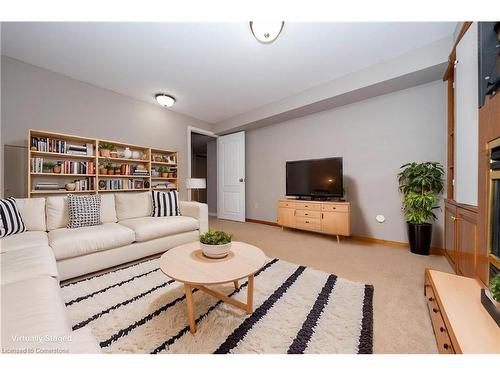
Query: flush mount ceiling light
point(266, 32)
point(165, 100)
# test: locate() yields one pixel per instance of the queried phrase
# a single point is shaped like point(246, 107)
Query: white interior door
point(231, 176)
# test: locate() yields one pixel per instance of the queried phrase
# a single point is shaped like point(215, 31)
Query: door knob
point(242, 179)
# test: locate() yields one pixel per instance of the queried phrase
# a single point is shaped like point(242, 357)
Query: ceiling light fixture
point(266, 32)
point(165, 100)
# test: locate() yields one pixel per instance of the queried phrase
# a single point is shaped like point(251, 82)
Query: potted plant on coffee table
point(215, 244)
point(421, 185)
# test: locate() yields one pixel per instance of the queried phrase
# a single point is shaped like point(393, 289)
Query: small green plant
point(495, 287)
point(162, 170)
point(48, 165)
point(420, 183)
point(215, 237)
point(106, 163)
point(107, 146)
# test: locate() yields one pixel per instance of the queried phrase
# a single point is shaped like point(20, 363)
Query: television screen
point(314, 178)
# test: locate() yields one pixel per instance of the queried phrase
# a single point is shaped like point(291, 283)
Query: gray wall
point(212, 177)
point(36, 98)
point(375, 137)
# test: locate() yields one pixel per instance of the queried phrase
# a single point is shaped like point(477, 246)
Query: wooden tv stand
point(327, 217)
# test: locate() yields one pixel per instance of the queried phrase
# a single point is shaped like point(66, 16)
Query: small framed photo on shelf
point(138, 184)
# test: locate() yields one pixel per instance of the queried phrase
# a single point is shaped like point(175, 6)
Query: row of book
point(45, 144)
point(83, 184)
point(67, 166)
point(120, 184)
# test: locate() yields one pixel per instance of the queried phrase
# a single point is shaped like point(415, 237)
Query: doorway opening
point(203, 169)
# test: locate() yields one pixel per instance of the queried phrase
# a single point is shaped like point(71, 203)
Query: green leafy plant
point(495, 287)
point(107, 146)
point(162, 170)
point(215, 237)
point(48, 165)
point(421, 184)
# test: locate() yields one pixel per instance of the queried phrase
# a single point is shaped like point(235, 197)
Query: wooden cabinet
point(325, 217)
point(466, 242)
point(461, 237)
point(460, 322)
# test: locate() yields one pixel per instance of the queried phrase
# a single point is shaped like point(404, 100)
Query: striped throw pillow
point(10, 218)
point(165, 204)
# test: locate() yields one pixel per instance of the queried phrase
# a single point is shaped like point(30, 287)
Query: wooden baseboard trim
point(434, 250)
point(262, 222)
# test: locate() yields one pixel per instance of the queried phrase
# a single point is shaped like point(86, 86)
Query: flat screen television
point(316, 178)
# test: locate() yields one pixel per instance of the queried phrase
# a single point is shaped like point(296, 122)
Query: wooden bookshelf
point(78, 153)
point(164, 160)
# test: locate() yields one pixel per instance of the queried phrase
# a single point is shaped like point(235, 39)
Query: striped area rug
point(137, 309)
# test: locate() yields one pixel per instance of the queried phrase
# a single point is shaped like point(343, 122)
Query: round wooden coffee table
point(188, 265)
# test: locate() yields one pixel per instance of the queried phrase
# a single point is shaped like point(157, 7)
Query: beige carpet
point(401, 320)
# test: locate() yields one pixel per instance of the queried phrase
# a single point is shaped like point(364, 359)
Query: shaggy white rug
point(137, 309)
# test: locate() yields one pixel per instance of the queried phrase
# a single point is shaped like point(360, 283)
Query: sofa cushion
point(11, 221)
point(148, 228)
point(23, 241)
point(33, 308)
point(132, 205)
point(84, 211)
point(32, 211)
point(58, 212)
point(68, 243)
point(27, 263)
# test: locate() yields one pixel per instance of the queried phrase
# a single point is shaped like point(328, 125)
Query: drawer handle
point(307, 222)
point(431, 299)
point(334, 208)
point(446, 346)
point(306, 214)
point(435, 310)
point(441, 329)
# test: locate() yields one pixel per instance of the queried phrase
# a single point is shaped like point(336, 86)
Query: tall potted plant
point(421, 185)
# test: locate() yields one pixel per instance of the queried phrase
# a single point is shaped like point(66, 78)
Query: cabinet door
point(450, 233)
point(335, 223)
point(466, 241)
point(286, 217)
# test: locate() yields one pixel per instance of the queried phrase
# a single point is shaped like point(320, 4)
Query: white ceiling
point(215, 70)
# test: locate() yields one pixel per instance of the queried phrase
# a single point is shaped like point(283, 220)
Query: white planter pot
point(127, 153)
point(215, 251)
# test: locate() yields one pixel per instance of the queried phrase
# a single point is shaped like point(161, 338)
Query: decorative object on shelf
point(215, 244)
point(104, 166)
point(421, 185)
point(127, 154)
point(490, 298)
point(48, 166)
point(158, 158)
point(136, 154)
point(146, 184)
point(56, 168)
point(117, 169)
point(102, 184)
point(155, 173)
point(138, 184)
point(163, 171)
point(196, 184)
point(105, 149)
point(113, 154)
point(70, 187)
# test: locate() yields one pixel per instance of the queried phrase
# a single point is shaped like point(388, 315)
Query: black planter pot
point(419, 236)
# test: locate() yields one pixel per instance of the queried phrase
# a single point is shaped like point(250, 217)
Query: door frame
point(190, 130)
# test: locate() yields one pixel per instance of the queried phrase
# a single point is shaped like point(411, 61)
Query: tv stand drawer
point(308, 214)
point(310, 224)
point(308, 206)
point(334, 207)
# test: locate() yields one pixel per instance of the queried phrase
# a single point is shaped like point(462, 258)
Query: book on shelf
point(67, 166)
point(45, 144)
point(121, 184)
point(83, 184)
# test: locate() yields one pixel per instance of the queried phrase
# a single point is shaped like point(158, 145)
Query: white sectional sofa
point(34, 262)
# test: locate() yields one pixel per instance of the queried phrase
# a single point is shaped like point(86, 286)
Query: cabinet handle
point(431, 299)
point(435, 310)
point(307, 222)
point(453, 218)
point(446, 346)
point(306, 214)
point(441, 329)
point(322, 215)
point(334, 208)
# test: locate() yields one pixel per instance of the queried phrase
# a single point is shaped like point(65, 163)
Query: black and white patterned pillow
point(165, 204)
point(10, 218)
point(84, 211)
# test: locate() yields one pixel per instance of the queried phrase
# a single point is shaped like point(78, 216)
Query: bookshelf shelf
point(41, 192)
point(53, 155)
point(42, 146)
point(164, 178)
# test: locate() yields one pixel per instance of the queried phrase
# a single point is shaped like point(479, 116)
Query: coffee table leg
point(190, 309)
point(250, 295)
point(236, 284)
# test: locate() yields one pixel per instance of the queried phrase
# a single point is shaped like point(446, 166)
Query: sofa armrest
point(196, 210)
